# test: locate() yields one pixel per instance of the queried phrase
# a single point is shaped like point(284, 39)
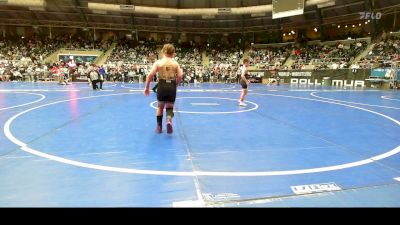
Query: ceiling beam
point(242, 21)
point(74, 14)
point(82, 14)
point(131, 17)
point(41, 17)
point(344, 5)
point(178, 22)
point(373, 25)
point(35, 20)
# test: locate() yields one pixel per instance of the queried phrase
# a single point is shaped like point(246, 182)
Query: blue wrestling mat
point(291, 146)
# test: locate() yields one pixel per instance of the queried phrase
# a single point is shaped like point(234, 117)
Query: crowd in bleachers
point(76, 42)
point(223, 55)
point(189, 54)
point(23, 59)
point(266, 58)
point(383, 53)
point(134, 53)
point(32, 49)
point(327, 57)
point(35, 49)
point(348, 52)
point(305, 55)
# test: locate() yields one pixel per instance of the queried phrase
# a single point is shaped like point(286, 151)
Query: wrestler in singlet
point(170, 74)
point(243, 82)
point(166, 91)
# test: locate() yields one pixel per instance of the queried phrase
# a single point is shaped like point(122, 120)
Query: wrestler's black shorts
point(243, 83)
point(166, 91)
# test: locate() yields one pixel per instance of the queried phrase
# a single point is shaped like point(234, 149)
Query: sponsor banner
point(256, 76)
point(78, 58)
point(78, 78)
point(315, 188)
point(379, 72)
point(295, 74)
point(340, 77)
point(344, 78)
point(256, 73)
point(220, 196)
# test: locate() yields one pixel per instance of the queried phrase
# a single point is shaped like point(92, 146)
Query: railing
point(81, 49)
point(273, 45)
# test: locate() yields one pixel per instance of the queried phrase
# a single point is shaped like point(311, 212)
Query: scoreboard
point(286, 8)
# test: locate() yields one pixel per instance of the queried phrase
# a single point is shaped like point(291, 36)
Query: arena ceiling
point(76, 13)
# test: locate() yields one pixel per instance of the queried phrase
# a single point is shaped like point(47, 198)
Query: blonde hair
point(168, 49)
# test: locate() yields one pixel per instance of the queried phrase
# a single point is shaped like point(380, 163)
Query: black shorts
point(166, 91)
point(244, 84)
